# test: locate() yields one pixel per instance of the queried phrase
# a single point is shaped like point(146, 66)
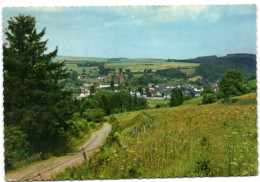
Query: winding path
point(46, 170)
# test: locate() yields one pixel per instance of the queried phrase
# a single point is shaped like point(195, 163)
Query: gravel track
point(46, 170)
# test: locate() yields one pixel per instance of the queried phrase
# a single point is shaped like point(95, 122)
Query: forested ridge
point(213, 68)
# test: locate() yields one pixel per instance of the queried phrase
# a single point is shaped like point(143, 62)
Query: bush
point(94, 115)
point(220, 95)
point(77, 126)
point(209, 98)
point(161, 105)
point(188, 97)
point(16, 145)
point(252, 84)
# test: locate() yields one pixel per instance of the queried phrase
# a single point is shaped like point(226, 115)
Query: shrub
point(220, 95)
point(188, 97)
point(209, 98)
point(94, 115)
point(16, 145)
point(252, 84)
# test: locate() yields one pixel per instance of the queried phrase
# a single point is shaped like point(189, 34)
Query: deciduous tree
point(232, 83)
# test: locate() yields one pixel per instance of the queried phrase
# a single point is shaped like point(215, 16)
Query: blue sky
point(146, 31)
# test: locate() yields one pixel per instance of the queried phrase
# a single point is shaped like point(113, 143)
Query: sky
point(177, 32)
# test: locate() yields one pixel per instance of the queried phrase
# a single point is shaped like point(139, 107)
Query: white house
point(104, 85)
point(107, 85)
point(81, 96)
point(138, 94)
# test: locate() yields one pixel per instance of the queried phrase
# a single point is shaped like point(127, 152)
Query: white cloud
point(185, 13)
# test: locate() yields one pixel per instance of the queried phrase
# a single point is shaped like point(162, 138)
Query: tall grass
point(219, 139)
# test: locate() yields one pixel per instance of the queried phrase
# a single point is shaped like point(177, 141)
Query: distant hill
point(248, 60)
point(111, 60)
point(213, 68)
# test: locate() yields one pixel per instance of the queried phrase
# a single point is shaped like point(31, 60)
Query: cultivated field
point(195, 78)
point(136, 66)
point(79, 59)
point(188, 71)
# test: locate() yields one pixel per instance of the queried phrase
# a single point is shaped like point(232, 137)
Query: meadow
point(218, 139)
point(153, 102)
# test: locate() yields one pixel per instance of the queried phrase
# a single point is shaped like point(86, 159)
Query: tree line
point(108, 102)
point(90, 64)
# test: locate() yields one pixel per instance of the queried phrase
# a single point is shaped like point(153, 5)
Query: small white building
point(198, 90)
point(81, 96)
point(100, 78)
point(138, 94)
point(107, 85)
point(104, 85)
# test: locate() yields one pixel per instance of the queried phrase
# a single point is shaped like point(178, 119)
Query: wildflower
point(166, 142)
point(234, 133)
point(233, 163)
point(131, 151)
point(173, 142)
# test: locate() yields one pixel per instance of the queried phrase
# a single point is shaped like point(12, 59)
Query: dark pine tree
point(33, 101)
point(112, 84)
point(176, 98)
point(92, 89)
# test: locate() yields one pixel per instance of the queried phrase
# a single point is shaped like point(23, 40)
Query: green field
point(152, 102)
point(217, 139)
point(135, 65)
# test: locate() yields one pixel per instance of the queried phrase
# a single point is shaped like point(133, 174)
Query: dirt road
point(45, 170)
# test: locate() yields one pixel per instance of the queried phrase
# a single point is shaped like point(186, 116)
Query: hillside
point(192, 140)
point(248, 60)
point(214, 70)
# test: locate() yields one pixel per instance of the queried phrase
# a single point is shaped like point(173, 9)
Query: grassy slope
point(207, 140)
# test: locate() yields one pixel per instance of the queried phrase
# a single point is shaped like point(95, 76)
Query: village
point(151, 91)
